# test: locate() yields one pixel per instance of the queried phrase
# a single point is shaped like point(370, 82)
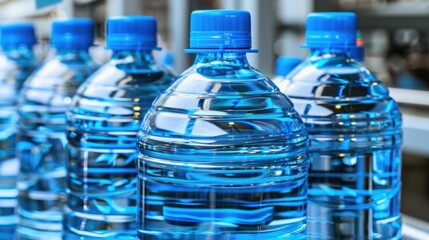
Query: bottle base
point(350, 224)
point(24, 233)
point(8, 203)
point(208, 232)
point(85, 226)
point(7, 231)
point(72, 236)
point(39, 225)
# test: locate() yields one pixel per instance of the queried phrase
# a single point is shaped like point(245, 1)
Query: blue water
point(222, 155)
point(15, 66)
point(355, 141)
point(102, 130)
point(42, 140)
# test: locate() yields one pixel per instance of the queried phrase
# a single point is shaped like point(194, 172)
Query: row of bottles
point(127, 150)
point(17, 61)
point(43, 101)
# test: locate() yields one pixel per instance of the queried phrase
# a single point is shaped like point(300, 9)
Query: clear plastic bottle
point(285, 65)
point(44, 100)
point(355, 136)
point(17, 62)
point(102, 126)
point(222, 153)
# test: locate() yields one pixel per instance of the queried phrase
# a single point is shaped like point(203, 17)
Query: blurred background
point(395, 35)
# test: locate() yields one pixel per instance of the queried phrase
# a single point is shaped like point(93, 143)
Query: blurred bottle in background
point(44, 100)
point(222, 153)
point(17, 62)
point(285, 65)
point(166, 59)
point(102, 126)
point(355, 136)
point(407, 59)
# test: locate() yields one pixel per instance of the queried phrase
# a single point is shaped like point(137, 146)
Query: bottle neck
point(230, 58)
point(329, 52)
point(143, 57)
point(72, 53)
point(18, 52)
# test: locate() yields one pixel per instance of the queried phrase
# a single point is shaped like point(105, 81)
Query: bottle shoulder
point(222, 102)
point(53, 84)
point(8, 83)
point(342, 92)
point(114, 82)
point(223, 80)
point(13, 73)
point(115, 94)
point(7, 65)
point(332, 70)
point(332, 79)
point(54, 73)
point(21, 67)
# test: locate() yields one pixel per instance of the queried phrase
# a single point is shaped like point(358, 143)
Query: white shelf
point(415, 114)
point(416, 133)
point(411, 97)
point(414, 229)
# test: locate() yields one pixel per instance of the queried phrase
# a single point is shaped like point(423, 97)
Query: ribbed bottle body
point(44, 100)
point(222, 155)
point(102, 126)
point(15, 66)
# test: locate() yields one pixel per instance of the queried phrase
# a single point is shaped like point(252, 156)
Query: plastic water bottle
point(42, 138)
point(16, 64)
point(355, 136)
point(285, 65)
point(102, 126)
point(222, 152)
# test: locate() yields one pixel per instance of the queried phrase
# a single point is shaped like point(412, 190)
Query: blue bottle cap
point(331, 29)
point(220, 29)
point(131, 33)
point(285, 64)
point(15, 34)
point(77, 33)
